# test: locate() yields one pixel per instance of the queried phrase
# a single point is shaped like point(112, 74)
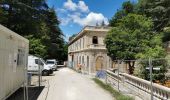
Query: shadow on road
point(33, 93)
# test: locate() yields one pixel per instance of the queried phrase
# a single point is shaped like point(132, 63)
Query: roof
point(6, 30)
point(89, 28)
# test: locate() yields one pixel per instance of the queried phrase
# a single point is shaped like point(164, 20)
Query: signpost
point(150, 68)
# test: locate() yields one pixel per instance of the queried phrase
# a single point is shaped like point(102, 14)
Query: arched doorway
point(99, 63)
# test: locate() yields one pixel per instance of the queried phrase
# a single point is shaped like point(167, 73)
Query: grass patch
point(117, 95)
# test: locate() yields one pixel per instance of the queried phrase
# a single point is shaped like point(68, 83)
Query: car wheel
point(45, 73)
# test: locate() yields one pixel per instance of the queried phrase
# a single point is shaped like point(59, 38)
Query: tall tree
point(23, 17)
point(56, 46)
point(127, 7)
point(34, 20)
point(158, 10)
point(71, 37)
point(131, 38)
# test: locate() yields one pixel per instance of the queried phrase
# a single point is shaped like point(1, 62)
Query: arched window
point(95, 40)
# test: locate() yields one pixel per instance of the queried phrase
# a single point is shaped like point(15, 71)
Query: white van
point(35, 62)
point(52, 63)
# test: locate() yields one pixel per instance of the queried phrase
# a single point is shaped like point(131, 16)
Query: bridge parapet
point(139, 86)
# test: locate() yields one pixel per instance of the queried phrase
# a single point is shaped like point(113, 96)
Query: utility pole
point(39, 73)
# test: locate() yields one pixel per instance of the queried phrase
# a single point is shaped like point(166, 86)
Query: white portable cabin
point(13, 61)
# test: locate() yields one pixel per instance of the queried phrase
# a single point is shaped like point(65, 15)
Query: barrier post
point(150, 69)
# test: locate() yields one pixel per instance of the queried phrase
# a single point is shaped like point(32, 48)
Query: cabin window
point(95, 40)
point(36, 61)
point(20, 57)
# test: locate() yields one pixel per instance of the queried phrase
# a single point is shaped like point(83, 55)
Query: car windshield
point(43, 61)
point(50, 62)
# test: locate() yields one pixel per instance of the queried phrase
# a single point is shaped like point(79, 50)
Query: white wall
point(12, 75)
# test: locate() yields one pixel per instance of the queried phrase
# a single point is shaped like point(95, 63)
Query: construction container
point(13, 61)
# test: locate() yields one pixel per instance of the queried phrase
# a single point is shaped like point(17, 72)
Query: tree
point(36, 47)
point(132, 38)
point(56, 47)
point(71, 37)
point(23, 17)
point(127, 7)
point(166, 36)
point(158, 10)
point(103, 23)
point(34, 20)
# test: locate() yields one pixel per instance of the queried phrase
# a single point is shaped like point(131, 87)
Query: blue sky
point(75, 14)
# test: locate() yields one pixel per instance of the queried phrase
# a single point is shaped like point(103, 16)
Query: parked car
point(34, 63)
point(52, 63)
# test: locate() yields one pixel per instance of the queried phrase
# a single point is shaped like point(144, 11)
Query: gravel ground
point(66, 84)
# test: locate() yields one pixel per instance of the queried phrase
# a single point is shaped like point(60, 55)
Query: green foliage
point(166, 36)
point(37, 22)
point(37, 48)
point(132, 36)
point(157, 74)
point(117, 95)
point(127, 7)
point(74, 35)
point(158, 10)
point(132, 39)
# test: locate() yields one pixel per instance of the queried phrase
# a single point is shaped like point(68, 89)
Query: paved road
point(69, 85)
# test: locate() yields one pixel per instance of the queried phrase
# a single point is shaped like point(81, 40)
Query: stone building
point(88, 49)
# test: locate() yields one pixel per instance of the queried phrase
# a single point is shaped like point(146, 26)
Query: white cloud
point(91, 19)
point(66, 37)
point(80, 14)
point(70, 5)
point(61, 10)
point(65, 21)
point(83, 7)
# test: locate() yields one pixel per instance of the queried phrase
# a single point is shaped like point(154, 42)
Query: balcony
point(96, 46)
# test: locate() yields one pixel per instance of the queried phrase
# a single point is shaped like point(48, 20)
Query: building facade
point(88, 49)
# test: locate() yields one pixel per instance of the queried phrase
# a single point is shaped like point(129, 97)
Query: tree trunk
point(131, 66)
